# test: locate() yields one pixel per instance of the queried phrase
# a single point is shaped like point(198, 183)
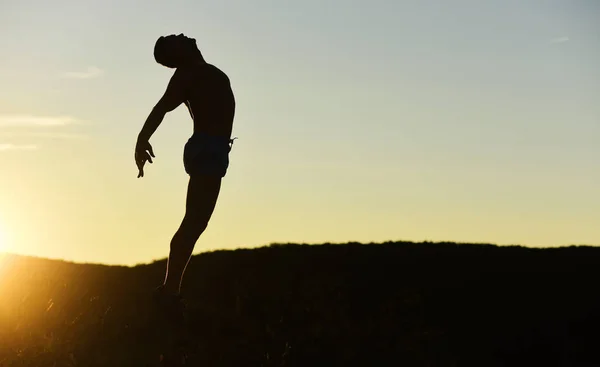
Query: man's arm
point(173, 97)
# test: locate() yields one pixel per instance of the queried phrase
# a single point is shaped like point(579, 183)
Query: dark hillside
point(427, 304)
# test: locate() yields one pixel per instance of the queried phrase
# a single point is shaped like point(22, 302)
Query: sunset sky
point(467, 121)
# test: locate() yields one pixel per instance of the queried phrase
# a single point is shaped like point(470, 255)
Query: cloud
point(48, 135)
point(89, 73)
point(559, 40)
point(6, 147)
point(24, 128)
point(30, 120)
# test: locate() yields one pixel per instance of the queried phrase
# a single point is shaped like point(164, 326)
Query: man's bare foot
point(171, 305)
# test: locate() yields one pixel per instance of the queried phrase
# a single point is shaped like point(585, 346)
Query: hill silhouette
point(388, 304)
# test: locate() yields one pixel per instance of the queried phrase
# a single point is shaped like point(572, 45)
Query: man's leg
point(202, 195)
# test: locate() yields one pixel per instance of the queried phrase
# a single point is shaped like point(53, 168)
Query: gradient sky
point(468, 121)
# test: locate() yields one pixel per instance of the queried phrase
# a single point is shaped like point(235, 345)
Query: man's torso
point(209, 99)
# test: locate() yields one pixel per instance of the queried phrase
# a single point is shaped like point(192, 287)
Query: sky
point(464, 120)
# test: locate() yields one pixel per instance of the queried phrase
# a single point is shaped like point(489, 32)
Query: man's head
point(174, 51)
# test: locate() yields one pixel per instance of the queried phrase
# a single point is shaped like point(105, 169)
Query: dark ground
point(392, 304)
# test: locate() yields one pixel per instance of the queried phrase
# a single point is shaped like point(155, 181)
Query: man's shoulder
point(204, 68)
point(180, 75)
point(205, 72)
point(217, 71)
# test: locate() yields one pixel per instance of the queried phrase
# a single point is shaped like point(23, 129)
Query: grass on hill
point(389, 304)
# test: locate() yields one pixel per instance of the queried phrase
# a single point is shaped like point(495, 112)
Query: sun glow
point(3, 249)
point(3, 240)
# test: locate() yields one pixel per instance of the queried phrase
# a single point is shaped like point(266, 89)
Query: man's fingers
point(139, 162)
point(142, 157)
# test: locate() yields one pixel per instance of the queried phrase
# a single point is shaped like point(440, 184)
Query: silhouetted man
point(207, 93)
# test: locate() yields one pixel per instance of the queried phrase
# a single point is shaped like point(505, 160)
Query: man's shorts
point(207, 155)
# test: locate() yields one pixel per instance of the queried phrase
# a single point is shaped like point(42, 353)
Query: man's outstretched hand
point(143, 153)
